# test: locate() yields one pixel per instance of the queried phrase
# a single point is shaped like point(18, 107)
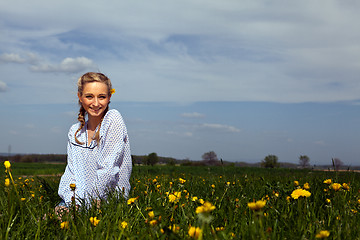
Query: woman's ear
point(79, 96)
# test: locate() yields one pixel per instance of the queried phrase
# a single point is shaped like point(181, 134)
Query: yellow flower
point(328, 201)
point(219, 229)
point(228, 183)
point(151, 214)
point(336, 186)
point(296, 183)
point(306, 186)
point(131, 200)
point(345, 186)
point(7, 165)
point(195, 232)
point(328, 181)
point(323, 234)
point(112, 91)
point(359, 201)
point(257, 205)
point(153, 222)
point(212, 185)
point(22, 199)
point(194, 199)
point(124, 224)
point(205, 208)
point(201, 201)
point(182, 181)
point(7, 182)
point(64, 225)
point(300, 193)
point(94, 221)
point(72, 186)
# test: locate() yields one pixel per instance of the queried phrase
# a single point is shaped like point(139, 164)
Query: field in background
point(168, 202)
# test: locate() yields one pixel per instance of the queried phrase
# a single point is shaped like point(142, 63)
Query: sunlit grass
point(168, 202)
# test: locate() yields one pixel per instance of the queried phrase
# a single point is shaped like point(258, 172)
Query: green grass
point(229, 189)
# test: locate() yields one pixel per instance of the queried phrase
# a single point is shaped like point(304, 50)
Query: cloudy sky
point(242, 78)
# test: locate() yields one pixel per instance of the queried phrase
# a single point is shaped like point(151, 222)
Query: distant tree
point(270, 161)
point(210, 158)
point(152, 159)
point(337, 163)
point(304, 161)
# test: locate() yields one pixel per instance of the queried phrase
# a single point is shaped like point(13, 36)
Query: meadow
point(184, 202)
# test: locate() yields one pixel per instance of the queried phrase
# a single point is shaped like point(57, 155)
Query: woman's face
point(95, 98)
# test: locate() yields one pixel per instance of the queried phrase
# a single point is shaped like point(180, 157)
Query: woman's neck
point(93, 122)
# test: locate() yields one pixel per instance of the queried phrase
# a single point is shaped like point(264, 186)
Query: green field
point(169, 202)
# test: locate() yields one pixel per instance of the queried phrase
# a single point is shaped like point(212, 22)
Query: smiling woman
point(99, 157)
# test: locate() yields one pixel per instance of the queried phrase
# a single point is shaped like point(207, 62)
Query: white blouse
point(96, 169)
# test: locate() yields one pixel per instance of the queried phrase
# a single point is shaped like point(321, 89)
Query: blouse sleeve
point(67, 178)
point(114, 163)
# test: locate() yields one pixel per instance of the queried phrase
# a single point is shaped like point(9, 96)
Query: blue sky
point(242, 78)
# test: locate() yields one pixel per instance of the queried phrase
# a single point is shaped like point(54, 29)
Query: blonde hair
point(84, 79)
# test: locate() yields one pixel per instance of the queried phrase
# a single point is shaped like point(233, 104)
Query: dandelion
point(201, 201)
point(22, 199)
point(296, 183)
point(195, 232)
point(257, 205)
point(151, 214)
point(300, 193)
point(72, 186)
point(174, 197)
point(64, 225)
point(328, 181)
point(153, 222)
point(94, 221)
point(194, 199)
point(182, 181)
point(306, 186)
point(328, 201)
point(205, 208)
point(219, 229)
point(7, 182)
point(323, 234)
point(131, 200)
point(124, 224)
point(336, 186)
point(346, 186)
point(174, 228)
point(7, 165)
point(212, 185)
point(112, 91)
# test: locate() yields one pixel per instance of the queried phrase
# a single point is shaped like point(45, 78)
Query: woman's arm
point(114, 161)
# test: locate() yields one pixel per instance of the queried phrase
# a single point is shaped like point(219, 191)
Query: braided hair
point(84, 79)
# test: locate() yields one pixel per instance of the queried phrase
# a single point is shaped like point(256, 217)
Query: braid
point(81, 119)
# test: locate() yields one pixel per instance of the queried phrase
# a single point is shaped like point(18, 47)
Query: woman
point(99, 158)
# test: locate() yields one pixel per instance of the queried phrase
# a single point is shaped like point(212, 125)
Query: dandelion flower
point(7, 182)
point(201, 201)
point(296, 183)
point(328, 181)
point(94, 221)
point(323, 234)
point(328, 201)
point(336, 186)
point(257, 205)
point(300, 193)
point(307, 186)
point(64, 225)
point(194, 199)
point(22, 199)
point(195, 232)
point(182, 181)
point(112, 91)
point(346, 186)
point(131, 200)
point(205, 208)
point(72, 186)
point(7, 165)
point(151, 214)
point(124, 224)
point(153, 222)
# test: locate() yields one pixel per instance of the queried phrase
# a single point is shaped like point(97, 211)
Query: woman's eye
point(88, 97)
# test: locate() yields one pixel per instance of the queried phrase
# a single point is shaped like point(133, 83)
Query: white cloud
point(12, 58)
point(193, 115)
point(3, 86)
point(220, 127)
point(68, 65)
